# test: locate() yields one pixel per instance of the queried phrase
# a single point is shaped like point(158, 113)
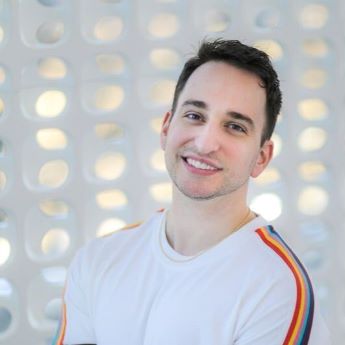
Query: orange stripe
point(62, 326)
point(294, 328)
point(297, 321)
point(131, 226)
point(126, 227)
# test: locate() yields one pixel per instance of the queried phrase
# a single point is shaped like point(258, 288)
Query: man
point(208, 270)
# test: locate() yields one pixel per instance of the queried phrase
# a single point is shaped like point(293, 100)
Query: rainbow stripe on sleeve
point(58, 340)
point(301, 323)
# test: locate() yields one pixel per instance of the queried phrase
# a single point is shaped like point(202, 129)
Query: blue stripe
point(308, 319)
point(57, 334)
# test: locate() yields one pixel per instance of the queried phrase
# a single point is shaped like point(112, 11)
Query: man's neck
point(196, 225)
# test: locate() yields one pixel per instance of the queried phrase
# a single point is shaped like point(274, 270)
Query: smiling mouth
point(199, 165)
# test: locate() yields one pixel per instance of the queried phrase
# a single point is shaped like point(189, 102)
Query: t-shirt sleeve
point(281, 307)
point(280, 314)
point(76, 322)
point(272, 328)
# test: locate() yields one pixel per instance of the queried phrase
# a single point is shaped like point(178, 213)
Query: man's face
point(212, 143)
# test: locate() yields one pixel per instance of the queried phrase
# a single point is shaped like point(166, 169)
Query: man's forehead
point(227, 67)
point(218, 77)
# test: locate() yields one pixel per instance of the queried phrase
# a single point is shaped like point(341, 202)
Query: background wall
point(83, 87)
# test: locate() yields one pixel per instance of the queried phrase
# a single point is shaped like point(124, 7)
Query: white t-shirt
point(132, 288)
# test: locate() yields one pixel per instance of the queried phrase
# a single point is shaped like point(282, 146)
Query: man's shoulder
point(133, 230)
point(290, 283)
point(273, 248)
point(273, 260)
point(119, 241)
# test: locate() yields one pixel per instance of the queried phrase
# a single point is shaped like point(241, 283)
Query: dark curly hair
point(242, 56)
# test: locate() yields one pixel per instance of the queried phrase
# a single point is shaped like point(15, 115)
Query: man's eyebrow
point(195, 103)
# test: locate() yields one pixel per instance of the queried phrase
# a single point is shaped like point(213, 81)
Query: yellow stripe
point(303, 292)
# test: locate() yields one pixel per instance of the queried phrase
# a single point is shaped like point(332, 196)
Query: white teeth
point(199, 165)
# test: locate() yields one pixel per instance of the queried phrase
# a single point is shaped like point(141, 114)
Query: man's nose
point(207, 139)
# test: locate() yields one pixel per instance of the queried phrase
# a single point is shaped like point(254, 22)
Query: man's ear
point(264, 157)
point(165, 128)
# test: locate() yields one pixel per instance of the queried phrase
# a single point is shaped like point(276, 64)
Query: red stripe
point(63, 326)
point(262, 234)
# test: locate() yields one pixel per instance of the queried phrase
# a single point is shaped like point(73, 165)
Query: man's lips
point(200, 163)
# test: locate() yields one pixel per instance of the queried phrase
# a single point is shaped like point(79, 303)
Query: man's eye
point(236, 127)
point(193, 116)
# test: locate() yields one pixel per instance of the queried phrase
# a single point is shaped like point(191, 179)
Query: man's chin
point(202, 197)
point(198, 195)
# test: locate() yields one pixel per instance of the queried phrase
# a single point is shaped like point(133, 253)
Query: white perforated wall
point(83, 87)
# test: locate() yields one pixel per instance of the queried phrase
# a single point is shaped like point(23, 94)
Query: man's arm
point(76, 326)
point(286, 310)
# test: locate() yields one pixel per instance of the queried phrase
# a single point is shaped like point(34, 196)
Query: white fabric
point(122, 289)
